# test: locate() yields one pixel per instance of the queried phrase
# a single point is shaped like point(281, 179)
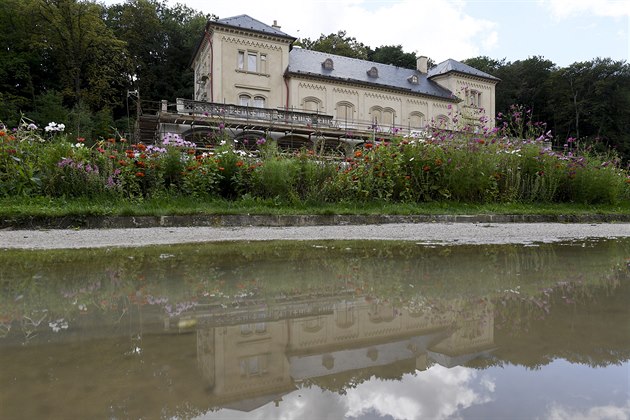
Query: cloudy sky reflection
point(556, 391)
point(437, 393)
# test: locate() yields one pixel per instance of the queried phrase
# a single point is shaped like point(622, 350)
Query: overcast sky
point(563, 31)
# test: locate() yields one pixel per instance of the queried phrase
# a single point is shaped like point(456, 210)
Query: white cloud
point(443, 30)
point(607, 412)
point(437, 393)
point(563, 9)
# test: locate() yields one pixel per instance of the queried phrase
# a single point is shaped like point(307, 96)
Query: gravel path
point(442, 233)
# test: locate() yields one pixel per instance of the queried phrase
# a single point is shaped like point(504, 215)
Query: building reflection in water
point(250, 358)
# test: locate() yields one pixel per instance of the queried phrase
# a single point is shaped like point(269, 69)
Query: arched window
point(376, 114)
point(259, 101)
point(417, 120)
point(345, 112)
point(244, 100)
point(311, 104)
point(441, 121)
point(388, 116)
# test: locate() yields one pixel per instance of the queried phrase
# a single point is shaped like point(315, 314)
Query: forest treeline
point(81, 63)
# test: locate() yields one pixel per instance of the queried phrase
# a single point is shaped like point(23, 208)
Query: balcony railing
point(301, 118)
point(247, 113)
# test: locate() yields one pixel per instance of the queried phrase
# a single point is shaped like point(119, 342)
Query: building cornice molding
point(250, 43)
point(238, 32)
point(464, 75)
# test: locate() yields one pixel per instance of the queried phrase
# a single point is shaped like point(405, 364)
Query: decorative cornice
point(250, 34)
point(465, 75)
point(440, 105)
point(314, 86)
point(345, 91)
point(417, 101)
point(383, 96)
point(250, 43)
point(473, 85)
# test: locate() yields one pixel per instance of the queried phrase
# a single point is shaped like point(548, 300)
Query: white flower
point(58, 325)
point(53, 126)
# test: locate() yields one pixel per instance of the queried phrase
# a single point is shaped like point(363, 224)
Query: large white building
point(242, 62)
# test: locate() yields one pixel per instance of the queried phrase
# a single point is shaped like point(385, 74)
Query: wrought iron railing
point(269, 116)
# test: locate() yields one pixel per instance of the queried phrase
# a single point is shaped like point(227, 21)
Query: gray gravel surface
point(440, 233)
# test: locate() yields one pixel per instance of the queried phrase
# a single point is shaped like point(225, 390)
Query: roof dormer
point(373, 72)
point(328, 64)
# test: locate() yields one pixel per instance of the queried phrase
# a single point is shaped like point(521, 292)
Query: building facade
point(246, 62)
point(253, 82)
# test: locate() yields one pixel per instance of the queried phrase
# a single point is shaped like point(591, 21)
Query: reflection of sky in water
point(509, 392)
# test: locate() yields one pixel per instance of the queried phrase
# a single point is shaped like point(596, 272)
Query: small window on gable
point(328, 64)
point(373, 72)
point(413, 79)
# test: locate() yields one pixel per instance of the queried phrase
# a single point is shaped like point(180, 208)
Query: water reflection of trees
point(581, 323)
point(528, 284)
point(532, 304)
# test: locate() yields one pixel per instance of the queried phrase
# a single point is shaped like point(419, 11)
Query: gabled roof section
point(451, 65)
point(249, 23)
point(309, 63)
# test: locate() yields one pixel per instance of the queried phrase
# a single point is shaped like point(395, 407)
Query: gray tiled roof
point(451, 65)
point(248, 22)
point(307, 62)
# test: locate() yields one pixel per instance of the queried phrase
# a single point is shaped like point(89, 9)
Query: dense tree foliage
point(586, 102)
point(339, 44)
point(75, 61)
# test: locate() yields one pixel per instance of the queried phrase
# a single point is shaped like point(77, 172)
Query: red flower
point(426, 168)
point(221, 168)
point(239, 163)
point(140, 174)
point(368, 145)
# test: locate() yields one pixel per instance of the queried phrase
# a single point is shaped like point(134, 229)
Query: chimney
point(421, 64)
point(275, 24)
